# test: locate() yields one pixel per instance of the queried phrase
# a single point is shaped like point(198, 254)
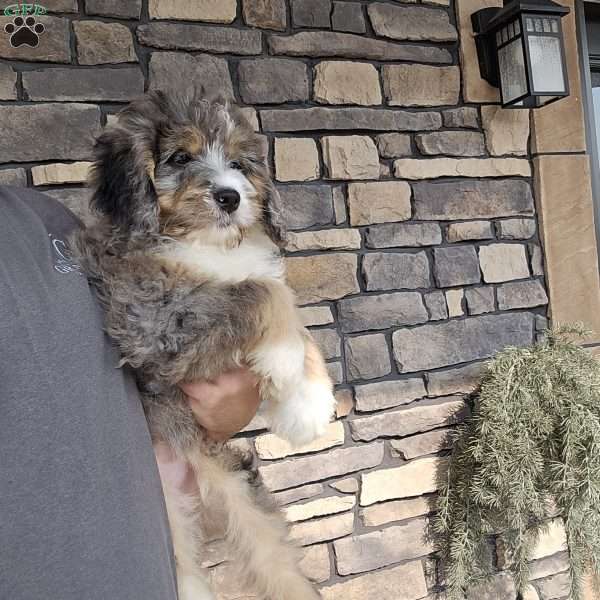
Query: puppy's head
point(186, 168)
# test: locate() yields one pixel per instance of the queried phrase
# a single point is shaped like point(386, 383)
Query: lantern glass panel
point(546, 64)
point(512, 71)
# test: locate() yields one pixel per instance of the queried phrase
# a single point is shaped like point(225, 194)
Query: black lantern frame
point(507, 33)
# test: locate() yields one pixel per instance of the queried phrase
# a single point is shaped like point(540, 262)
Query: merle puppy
point(186, 263)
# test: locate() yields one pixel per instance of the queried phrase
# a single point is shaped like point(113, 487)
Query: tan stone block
point(324, 239)
point(266, 14)
point(370, 551)
point(415, 478)
point(470, 230)
point(316, 315)
point(13, 177)
point(394, 145)
point(211, 11)
point(406, 582)
point(250, 115)
point(8, 83)
point(350, 157)
point(414, 418)
point(503, 262)
point(475, 88)
point(300, 493)
point(323, 277)
point(506, 131)
point(54, 44)
point(454, 300)
point(549, 565)
point(516, 229)
point(270, 447)
point(453, 381)
point(386, 394)
point(555, 586)
point(339, 205)
point(432, 168)
point(591, 583)
point(423, 444)
point(103, 43)
point(305, 469)
point(346, 486)
point(314, 563)
point(396, 510)
point(296, 159)
point(550, 542)
point(411, 23)
point(498, 587)
point(529, 593)
point(345, 403)
point(560, 126)
point(569, 239)
point(346, 82)
point(322, 530)
point(379, 202)
point(421, 85)
point(55, 173)
point(319, 508)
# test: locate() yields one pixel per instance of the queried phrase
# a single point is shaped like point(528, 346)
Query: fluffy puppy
point(185, 261)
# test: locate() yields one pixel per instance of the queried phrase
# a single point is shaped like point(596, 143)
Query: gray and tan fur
point(186, 264)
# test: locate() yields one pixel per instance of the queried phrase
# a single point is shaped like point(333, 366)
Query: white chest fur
point(255, 258)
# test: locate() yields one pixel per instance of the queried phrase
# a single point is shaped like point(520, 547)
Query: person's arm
point(225, 405)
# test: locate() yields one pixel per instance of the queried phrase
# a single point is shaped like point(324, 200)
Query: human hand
point(226, 404)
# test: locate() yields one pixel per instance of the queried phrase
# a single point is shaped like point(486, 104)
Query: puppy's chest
point(233, 265)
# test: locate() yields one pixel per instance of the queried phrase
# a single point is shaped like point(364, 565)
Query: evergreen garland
point(531, 449)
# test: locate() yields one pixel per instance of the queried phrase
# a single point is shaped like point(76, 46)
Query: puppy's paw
point(304, 413)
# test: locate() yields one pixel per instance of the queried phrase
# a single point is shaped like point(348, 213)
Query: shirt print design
point(63, 262)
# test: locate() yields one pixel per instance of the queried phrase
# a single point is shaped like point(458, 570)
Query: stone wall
point(413, 244)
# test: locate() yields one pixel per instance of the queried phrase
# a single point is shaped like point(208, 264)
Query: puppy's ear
point(123, 172)
point(273, 216)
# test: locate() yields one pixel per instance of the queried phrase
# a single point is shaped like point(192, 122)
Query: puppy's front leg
point(296, 383)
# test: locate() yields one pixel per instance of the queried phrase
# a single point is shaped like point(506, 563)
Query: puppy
point(186, 263)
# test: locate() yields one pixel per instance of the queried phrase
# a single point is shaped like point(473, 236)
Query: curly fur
point(162, 259)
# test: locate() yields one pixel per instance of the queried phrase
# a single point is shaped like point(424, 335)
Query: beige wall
point(562, 180)
point(564, 198)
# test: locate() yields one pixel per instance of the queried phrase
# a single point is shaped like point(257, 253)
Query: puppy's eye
point(234, 164)
point(180, 158)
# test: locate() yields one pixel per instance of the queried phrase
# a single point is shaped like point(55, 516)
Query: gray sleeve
point(81, 510)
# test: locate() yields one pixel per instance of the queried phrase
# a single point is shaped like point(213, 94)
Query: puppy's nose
point(227, 199)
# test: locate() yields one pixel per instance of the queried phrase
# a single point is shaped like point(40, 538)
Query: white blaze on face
point(224, 177)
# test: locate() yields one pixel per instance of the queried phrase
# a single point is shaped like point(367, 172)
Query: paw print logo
point(24, 32)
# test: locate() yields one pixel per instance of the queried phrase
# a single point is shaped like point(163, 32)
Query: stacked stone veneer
point(413, 244)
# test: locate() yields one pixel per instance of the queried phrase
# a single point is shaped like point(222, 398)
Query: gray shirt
point(82, 515)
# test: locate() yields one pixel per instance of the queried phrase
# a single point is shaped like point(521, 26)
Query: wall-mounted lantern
point(521, 50)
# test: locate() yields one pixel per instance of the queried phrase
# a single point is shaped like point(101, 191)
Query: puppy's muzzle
point(227, 200)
